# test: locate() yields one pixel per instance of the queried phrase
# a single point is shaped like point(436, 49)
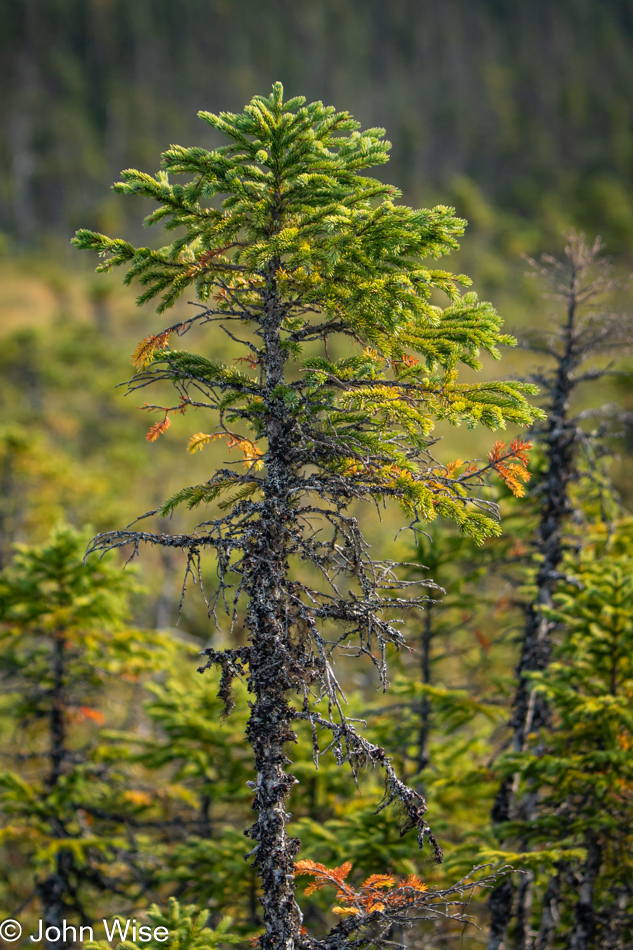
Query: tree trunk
point(561, 439)
point(584, 930)
point(425, 705)
point(549, 914)
point(524, 899)
point(530, 710)
point(271, 666)
point(51, 893)
point(58, 712)
point(500, 912)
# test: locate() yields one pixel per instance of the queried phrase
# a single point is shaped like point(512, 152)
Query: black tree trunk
point(270, 663)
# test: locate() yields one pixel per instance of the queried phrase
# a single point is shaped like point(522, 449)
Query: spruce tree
point(67, 809)
point(580, 829)
point(576, 444)
point(200, 851)
point(300, 257)
point(186, 925)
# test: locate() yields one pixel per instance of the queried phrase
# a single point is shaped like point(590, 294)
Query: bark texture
point(272, 666)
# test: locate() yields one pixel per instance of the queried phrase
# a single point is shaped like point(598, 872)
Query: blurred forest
point(529, 101)
point(519, 116)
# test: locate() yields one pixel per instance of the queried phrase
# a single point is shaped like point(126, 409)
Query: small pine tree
point(64, 647)
point(200, 852)
point(580, 826)
point(347, 362)
point(187, 928)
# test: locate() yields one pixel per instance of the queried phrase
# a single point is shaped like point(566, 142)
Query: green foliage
point(64, 647)
point(589, 688)
point(187, 927)
point(204, 766)
point(49, 594)
point(581, 766)
point(283, 207)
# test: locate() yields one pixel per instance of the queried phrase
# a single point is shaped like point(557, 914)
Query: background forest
point(122, 784)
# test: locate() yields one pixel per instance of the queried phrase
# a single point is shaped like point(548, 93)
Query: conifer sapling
point(65, 810)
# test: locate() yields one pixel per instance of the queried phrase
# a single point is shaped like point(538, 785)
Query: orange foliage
point(158, 428)
point(377, 893)
point(250, 360)
point(625, 742)
point(145, 350)
point(85, 712)
point(452, 467)
point(142, 799)
point(252, 455)
point(482, 640)
point(518, 549)
point(502, 604)
point(511, 464)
